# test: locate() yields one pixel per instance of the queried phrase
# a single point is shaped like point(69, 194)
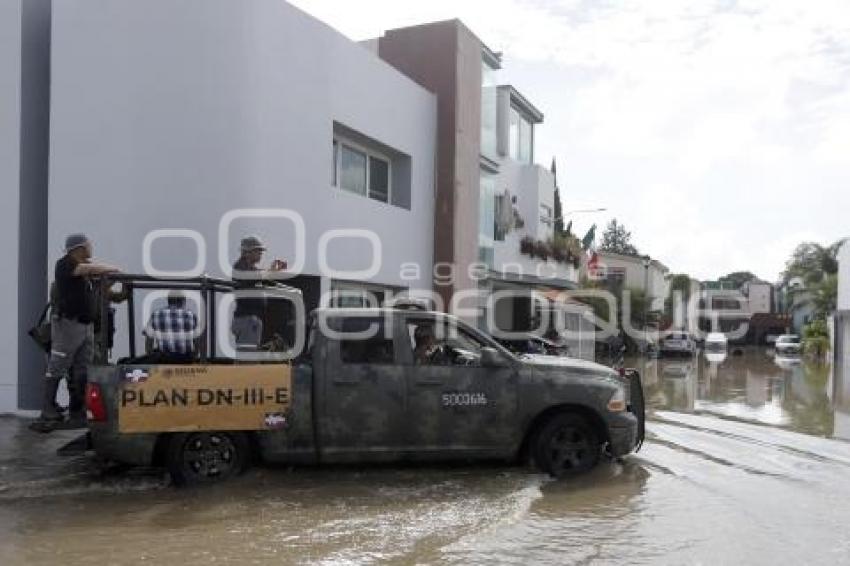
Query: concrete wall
point(759, 297)
point(10, 150)
point(171, 114)
point(24, 118)
point(445, 57)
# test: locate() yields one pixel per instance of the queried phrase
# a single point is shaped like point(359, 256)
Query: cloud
point(718, 131)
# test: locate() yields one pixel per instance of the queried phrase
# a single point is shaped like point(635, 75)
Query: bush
point(816, 341)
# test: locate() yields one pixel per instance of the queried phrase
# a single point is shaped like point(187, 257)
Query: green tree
point(738, 278)
point(816, 339)
point(679, 282)
point(557, 210)
point(617, 239)
point(825, 295)
point(812, 262)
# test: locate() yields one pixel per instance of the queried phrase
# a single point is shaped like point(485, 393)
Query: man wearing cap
point(250, 312)
point(72, 326)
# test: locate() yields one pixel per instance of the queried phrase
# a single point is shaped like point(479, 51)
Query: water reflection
point(752, 385)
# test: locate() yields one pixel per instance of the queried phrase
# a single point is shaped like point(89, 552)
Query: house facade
point(494, 216)
point(176, 128)
point(398, 165)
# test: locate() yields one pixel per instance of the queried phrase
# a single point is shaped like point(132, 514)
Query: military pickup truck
point(372, 385)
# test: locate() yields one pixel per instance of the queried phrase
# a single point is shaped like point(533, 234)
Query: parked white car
point(788, 345)
point(678, 342)
point(716, 342)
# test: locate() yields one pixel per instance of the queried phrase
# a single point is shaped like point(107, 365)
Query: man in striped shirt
point(173, 331)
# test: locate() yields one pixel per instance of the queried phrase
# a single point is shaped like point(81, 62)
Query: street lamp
point(582, 211)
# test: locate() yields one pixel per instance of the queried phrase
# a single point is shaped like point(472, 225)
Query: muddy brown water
point(747, 462)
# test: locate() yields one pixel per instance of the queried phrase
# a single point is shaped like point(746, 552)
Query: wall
point(445, 58)
point(24, 118)
point(170, 114)
point(10, 100)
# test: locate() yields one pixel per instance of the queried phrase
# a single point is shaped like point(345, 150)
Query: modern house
point(176, 128)
point(494, 217)
point(168, 130)
point(748, 308)
point(640, 273)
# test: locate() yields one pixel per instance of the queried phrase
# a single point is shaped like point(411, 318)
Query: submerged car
point(678, 342)
point(716, 342)
point(788, 345)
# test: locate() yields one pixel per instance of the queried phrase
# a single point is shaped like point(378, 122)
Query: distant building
point(728, 308)
point(633, 272)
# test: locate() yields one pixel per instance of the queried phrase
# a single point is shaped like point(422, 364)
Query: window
point(369, 343)
point(526, 141)
point(361, 171)
point(501, 216)
point(352, 170)
point(521, 137)
point(441, 344)
point(379, 179)
point(546, 214)
point(514, 134)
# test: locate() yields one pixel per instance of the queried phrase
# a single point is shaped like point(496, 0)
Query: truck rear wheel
point(567, 444)
point(206, 457)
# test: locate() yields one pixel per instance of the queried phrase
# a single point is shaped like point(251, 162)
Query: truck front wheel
point(206, 457)
point(567, 444)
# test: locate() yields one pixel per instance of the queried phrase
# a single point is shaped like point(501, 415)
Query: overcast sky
point(718, 132)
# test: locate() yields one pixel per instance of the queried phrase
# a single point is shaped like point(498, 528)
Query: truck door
point(361, 414)
point(455, 403)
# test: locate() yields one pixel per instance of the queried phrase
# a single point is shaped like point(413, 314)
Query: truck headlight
point(617, 402)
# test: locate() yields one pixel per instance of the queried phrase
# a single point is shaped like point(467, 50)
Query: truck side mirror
point(490, 357)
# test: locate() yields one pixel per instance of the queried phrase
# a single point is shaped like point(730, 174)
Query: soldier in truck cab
point(249, 317)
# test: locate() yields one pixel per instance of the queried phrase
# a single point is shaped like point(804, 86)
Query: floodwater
point(745, 463)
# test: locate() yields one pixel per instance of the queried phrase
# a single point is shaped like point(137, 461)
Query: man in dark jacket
point(72, 327)
point(249, 317)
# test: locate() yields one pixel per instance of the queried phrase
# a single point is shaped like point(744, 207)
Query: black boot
point(48, 403)
point(77, 401)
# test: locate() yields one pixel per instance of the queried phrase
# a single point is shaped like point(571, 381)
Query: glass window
point(546, 214)
point(486, 219)
point(526, 141)
point(333, 164)
point(370, 343)
point(502, 208)
point(514, 134)
point(379, 179)
point(352, 170)
point(436, 343)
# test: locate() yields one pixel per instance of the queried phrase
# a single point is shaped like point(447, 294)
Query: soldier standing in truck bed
point(72, 327)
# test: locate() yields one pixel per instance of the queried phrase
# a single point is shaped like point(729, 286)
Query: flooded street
point(745, 463)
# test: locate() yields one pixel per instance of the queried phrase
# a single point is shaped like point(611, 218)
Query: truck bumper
point(623, 440)
point(134, 449)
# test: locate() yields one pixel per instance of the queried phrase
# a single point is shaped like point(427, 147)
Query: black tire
point(197, 458)
point(566, 445)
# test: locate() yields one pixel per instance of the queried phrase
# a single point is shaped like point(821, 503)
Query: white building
point(171, 116)
point(635, 272)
